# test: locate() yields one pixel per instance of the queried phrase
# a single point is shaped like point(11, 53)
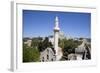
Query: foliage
point(25, 39)
point(44, 44)
point(36, 41)
point(30, 54)
point(68, 46)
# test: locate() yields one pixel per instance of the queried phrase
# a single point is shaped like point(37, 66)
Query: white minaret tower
point(56, 36)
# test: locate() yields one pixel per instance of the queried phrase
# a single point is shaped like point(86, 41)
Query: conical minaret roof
point(56, 24)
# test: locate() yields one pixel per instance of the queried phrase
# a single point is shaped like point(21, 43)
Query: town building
point(28, 42)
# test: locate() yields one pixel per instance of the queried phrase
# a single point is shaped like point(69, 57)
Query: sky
point(41, 23)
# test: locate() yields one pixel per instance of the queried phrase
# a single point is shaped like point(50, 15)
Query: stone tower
point(56, 36)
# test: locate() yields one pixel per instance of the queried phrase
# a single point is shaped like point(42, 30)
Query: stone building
point(82, 52)
point(47, 55)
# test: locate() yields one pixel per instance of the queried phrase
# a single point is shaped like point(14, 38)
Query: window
point(42, 59)
point(52, 59)
point(47, 56)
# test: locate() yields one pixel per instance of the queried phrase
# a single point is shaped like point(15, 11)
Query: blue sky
point(41, 23)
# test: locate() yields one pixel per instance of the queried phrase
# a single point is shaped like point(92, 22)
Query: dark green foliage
point(36, 41)
point(25, 39)
point(44, 44)
point(68, 46)
point(30, 54)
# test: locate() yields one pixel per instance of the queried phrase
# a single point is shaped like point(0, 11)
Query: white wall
point(5, 35)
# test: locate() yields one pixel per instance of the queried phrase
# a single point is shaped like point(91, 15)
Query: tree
point(68, 46)
point(30, 54)
point(81, 38)
point(25, 39)
point(36, 41)
point(44, 44)
point(61, 43)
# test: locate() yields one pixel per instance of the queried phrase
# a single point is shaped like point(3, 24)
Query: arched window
point(47, 57)
point(52, 59)
point(42, 59)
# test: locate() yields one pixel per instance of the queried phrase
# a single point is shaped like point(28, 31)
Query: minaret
point(56, 36)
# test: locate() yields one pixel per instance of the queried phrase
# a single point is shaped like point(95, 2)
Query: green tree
point(68, 46)
point(44, 44)
point(61, 43)
point(36, 41)
point(30, 54)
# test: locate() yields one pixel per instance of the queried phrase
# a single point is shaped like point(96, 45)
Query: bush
point(30, 54)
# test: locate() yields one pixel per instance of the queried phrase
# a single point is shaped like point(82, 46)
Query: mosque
point(55, 54)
